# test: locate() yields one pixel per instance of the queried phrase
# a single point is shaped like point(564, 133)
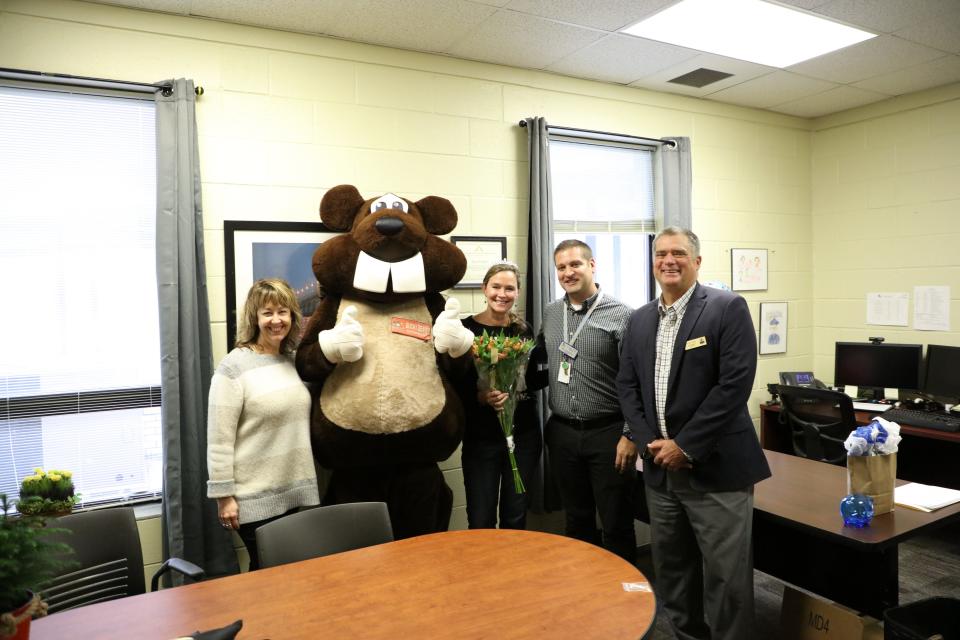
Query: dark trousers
point(488, 477)
point(248, 533)
point(582, 462)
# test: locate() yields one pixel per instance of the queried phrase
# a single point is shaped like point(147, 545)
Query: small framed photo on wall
point(748, 269)
point(481, 252)
point(773, 327)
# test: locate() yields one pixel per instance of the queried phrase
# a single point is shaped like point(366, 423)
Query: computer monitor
point(942, 379)
point(876, 366)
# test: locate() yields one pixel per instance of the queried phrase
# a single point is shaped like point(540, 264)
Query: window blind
point(80, 371)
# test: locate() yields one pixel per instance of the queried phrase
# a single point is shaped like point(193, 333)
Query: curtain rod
point(94, 83)
point(671, 143)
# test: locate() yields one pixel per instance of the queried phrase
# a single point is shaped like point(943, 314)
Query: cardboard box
point(806, 617)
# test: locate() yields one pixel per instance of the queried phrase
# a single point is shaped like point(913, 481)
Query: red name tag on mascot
point(381, 348)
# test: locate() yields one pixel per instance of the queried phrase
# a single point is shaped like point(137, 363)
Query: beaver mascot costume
point(381, 350)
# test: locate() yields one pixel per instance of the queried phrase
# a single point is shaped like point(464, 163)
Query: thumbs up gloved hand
point(449, 334)
point(343, 343)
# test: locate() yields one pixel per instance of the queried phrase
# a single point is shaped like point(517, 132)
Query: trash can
point(923, 619)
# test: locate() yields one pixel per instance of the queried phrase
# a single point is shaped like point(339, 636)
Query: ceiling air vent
point(700, 77)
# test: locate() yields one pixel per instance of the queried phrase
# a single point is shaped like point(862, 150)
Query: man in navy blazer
point(686, 372)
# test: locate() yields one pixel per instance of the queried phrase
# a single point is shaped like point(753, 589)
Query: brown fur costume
point(384, 421)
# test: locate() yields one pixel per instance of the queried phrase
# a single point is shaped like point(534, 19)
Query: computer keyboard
point(930, 420)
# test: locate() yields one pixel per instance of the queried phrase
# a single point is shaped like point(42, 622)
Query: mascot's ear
point(439, 216)
point(339, 207)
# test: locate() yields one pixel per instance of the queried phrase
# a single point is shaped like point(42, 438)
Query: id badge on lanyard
point(568, 353)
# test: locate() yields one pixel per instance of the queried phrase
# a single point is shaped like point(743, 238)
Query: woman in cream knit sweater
point(258, 434)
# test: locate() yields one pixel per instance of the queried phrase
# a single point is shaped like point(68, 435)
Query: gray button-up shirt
point(592, 391)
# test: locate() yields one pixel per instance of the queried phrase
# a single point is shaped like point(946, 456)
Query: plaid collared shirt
point(670, 319)
point(592, 390)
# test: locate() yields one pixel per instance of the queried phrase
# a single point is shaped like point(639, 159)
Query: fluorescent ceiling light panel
point(749, 30)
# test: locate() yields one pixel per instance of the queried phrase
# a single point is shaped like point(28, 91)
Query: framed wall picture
point(254, 250)
point(773, 327)
point(748, 269)
point(481, 252)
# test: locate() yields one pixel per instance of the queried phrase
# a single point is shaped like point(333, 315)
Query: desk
point(927, 456)
point(460, 584)
point(799, 536)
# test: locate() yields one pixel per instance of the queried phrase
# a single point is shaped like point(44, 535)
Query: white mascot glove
point(343, 343)
point(449, 334)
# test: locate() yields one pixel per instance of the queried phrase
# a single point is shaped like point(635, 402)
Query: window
point(80, 367)
point(603, 194)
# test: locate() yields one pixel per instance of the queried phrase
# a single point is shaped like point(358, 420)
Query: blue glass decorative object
point(857, 510)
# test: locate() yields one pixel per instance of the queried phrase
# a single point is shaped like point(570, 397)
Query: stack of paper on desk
point(924, 497)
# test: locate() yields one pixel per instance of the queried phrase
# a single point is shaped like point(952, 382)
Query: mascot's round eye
point(389, 201)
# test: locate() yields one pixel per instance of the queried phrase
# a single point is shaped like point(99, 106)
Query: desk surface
point(460, 584)
point(807, 493)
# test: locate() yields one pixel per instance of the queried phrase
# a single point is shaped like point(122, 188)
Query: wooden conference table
point(799, 535)
point(460, 584)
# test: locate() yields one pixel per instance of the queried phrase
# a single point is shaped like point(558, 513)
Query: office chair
point(323, 531)
point(106, 546)
point(820, 421)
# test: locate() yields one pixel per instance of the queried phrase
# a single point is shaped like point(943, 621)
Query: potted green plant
point(48, 493)
point(27, 560)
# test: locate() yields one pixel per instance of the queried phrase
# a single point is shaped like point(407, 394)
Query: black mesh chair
point(819, 419)
point(323, 531)
point(107, 562)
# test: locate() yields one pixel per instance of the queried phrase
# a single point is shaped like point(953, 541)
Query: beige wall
point(885, 215)
point(286, 116)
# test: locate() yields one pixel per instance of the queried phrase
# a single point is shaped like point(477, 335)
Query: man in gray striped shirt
point(591, 458)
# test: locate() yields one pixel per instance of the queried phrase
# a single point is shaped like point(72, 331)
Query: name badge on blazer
point(696, 342)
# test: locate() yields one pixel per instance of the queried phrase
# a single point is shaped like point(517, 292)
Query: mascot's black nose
point(389, 226)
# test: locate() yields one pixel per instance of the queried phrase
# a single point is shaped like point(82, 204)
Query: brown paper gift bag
point(874, 476)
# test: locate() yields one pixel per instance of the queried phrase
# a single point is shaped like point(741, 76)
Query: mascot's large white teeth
point(373, 274)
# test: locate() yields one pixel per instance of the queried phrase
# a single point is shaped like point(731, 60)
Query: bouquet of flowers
point(47, 492)
point(501, 362)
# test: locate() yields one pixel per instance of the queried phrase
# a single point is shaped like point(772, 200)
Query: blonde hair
point(500, 267)
point(263, 292)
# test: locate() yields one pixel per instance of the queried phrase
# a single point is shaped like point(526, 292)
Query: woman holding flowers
point(488, 473)
point(258, 432)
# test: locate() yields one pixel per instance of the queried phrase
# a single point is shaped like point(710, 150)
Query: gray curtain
point(677, 183)
point(190, 526)
point(544, 495)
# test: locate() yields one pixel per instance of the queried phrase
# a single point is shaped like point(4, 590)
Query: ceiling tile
point(521, 40)
point(883, 15)
point(622, 59)
point(926, 75)
point(804, 4)
point(942, 32)
point(167, 6)
point(773, 88)
point(867, 59)
point(838, 99)
point(608, 15)
point(290, 15)
point(423, 25)
point(740, 69)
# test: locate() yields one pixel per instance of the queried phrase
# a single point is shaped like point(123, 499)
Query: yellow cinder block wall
point(885, 215)
point(286, 116)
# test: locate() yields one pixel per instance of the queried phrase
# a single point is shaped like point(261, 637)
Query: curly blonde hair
point(263, 292)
